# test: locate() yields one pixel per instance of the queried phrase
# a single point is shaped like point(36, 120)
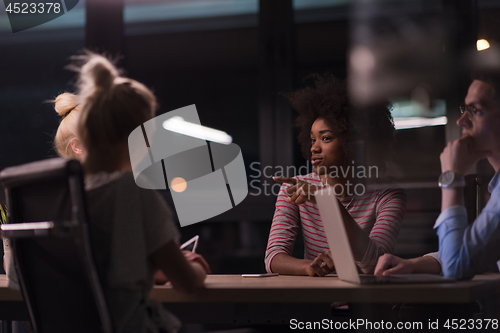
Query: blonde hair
point(111, 107)
point(66, 105)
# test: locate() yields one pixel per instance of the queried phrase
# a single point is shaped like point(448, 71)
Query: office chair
point(48, 226)
point(473, 196)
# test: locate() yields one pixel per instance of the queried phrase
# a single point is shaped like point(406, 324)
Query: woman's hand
point(186, 272)
point(195, 257)
point(300, 191)
point(321, 265)
point(160, 277)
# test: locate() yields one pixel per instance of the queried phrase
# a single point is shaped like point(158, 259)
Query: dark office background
point(230, 58)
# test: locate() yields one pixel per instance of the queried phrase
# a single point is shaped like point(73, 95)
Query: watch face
point(446, 178)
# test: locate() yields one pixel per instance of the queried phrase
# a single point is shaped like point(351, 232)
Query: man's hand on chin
point(461, 155)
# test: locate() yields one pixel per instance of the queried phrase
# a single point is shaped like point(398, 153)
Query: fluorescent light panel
point(179, 125)
point(416, 122)
point(28, 226)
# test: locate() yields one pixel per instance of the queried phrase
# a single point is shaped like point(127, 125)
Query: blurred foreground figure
point(133, 233)
point(465, 250)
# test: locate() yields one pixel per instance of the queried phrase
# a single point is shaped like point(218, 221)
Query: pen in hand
point(192, 255)
point(189, 242)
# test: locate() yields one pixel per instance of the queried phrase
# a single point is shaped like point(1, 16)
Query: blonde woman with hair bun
point(66, 142)
point(133, 233)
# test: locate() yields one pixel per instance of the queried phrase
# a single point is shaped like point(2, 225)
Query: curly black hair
point(327, 98)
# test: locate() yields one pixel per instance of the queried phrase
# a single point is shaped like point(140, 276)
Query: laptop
point(340, 248)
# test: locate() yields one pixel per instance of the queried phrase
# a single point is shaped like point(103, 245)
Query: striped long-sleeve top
point(379, 212)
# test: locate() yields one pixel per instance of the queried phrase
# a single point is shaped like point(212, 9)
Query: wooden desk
point(305, 289)
point(233, 299)
point(275, 300)
point(6, 294)
point(12, 306)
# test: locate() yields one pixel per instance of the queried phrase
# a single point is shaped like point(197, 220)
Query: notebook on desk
point(340, 248)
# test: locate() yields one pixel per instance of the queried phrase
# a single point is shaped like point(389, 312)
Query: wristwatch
point(449, 179)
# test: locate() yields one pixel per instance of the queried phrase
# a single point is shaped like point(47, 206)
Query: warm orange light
point(482, 44)
point(178, 184)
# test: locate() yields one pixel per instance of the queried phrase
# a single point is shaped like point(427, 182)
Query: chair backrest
point(49, 231)
point(472, 196)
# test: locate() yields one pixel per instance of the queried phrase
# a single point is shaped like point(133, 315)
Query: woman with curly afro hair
point(330, 125)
